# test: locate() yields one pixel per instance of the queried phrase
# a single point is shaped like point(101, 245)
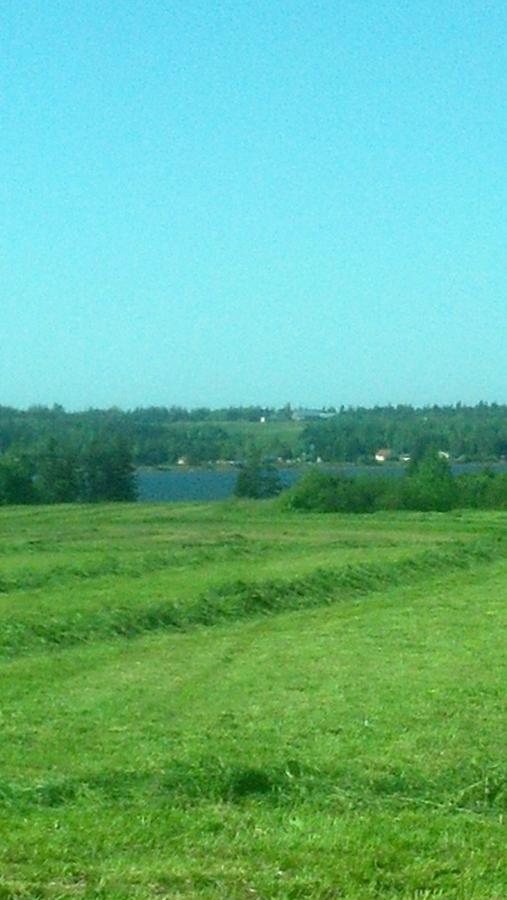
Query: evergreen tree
point(17, 472)
point(257, 479)
point(59, 473)
point(108, 470)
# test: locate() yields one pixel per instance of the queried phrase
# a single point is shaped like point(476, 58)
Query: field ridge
point(240, 598)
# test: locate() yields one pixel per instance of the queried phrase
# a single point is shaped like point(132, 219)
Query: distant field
point(266, 435)
point(224, 701)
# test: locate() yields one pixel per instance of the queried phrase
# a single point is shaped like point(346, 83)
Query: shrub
point(325, 492)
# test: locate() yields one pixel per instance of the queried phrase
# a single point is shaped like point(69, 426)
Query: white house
point(383, 454)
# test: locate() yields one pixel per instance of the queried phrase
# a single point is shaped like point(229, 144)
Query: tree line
point(356, 434)
point(164, 435)
point(428, 485)
point(51, 455)
point(68, 471)
point(156, 435)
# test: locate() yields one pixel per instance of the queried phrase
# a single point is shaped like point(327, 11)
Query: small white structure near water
point(383, 455)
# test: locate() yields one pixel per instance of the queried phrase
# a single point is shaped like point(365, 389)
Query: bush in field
point(486, 490)
point(430, 485)
point(325, 492)
point(315, 491)
point(495, 494)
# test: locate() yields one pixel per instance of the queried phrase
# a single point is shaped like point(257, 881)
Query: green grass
point(337, 729)
point(270, 437)
point(267, 435)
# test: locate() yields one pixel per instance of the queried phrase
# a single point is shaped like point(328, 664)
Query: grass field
point(227, 701)
point(269, 436)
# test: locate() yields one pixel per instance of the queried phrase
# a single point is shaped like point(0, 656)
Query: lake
point(166, 485)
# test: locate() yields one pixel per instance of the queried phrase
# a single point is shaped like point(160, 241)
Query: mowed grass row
point(74, 574)
point(354, 750)
point(48, 545)
point(48, 548)
point(70, 573)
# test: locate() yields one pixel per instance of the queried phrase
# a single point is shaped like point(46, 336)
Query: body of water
point(166, 485)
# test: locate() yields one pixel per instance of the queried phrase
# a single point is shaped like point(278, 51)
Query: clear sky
point(214, 202)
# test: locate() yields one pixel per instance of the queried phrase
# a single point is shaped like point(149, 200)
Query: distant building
point(383, 455)
point(302, 414)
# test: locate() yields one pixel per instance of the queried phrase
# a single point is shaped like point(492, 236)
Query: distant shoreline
point(217, 482)
point(499, 464)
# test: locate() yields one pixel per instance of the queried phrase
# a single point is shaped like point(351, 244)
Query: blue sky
point(214, 203)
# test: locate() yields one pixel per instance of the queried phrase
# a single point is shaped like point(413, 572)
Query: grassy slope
point(351, 750)
point(268, 436)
